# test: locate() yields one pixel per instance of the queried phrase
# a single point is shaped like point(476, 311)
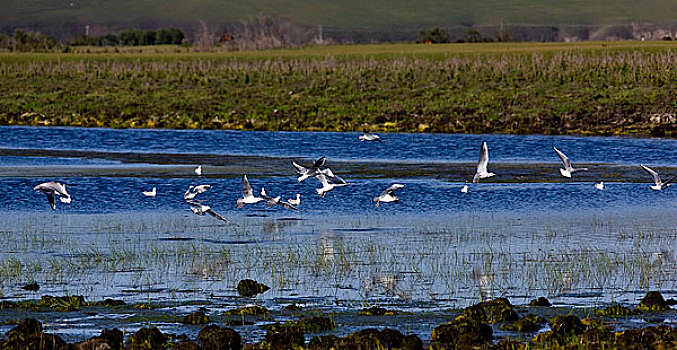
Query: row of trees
point(438, 36)
point(134, 37)
point(27, 41)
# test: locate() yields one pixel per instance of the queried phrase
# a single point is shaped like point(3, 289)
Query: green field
point(375, 15)
point(586, 88)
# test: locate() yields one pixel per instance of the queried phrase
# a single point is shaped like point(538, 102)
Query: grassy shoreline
point(592, 88)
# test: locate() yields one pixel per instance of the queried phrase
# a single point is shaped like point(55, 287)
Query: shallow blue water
point(567, 240)
point(346, 146)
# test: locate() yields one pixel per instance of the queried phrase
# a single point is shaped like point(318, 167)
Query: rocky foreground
point(470, 330)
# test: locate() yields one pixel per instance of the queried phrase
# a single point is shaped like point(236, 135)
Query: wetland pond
point(525, 233)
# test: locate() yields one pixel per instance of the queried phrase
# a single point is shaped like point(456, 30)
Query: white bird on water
point(599, 186)
point(658, 184)
point(52, 190)
point(296, 201)
point(367, 136)
point(482, 162)
point(201, 209)
point(151, 193)
point(327, 184)
point(193, 191)
point(568, 169)
point(247, 194)
point(388, 195)
point(198, 170)
point(304, 172)
point(464, 189)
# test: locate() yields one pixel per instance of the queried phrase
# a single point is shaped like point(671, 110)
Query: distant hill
point(345, 20)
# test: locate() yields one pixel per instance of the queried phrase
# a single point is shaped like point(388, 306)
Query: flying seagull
point(331, 177)
point(296, 201)
point(482, 162)
point(568, 169)
point(659, 185)
point(247, 194)
point(198, 170)
point(388, 195)
point(151, 193)
point(52, 190)
point(193, 191)
point(328, 183)
point(201, 209)
point(271, 201)
point(304, 172)
point(367, 136)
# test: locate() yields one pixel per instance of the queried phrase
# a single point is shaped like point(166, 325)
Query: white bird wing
point(320, 162)
point(51, 198)
point(654, 175)
point(299, 169)
point(52, 187)
point(392, 188)
point(483, 159)
point(201, 188)
point(287, 205)
point(246, 188)
point(218, 216)
point(322, 179)
point(564, 158)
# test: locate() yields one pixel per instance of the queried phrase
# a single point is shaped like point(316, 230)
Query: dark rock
point(109, 303)
point(492, 311)
point(597, 336)
point(31, 287)
point(67, 303)
point(616, 311)
point(376, 311)
point(146, 338)
point(113, 336)
point(645, 338)
point(186, 345)
point(292, 308)
point(528, 323)
point(249, 288)
point(652, 302)
point(374, 339)
point(461, 332)
point(412, 342)
point(312, 324)
point(197, 317)
point(108, 340)
point(324, 342)
point(28, 335)
point(671, 302)
point(279, 337)
point(550, 338)
point(567, 325)
point(213, 337)
point(252, 310)
point(541, 301)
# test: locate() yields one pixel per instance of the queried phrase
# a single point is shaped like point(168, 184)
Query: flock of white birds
point(328, 180)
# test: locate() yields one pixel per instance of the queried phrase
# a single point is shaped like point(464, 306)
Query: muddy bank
point(229, 166)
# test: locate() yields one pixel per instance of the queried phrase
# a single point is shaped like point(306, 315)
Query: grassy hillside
point(589, 88)
point(398, 15)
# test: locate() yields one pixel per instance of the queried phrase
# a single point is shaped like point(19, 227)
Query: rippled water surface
point(525, 233)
